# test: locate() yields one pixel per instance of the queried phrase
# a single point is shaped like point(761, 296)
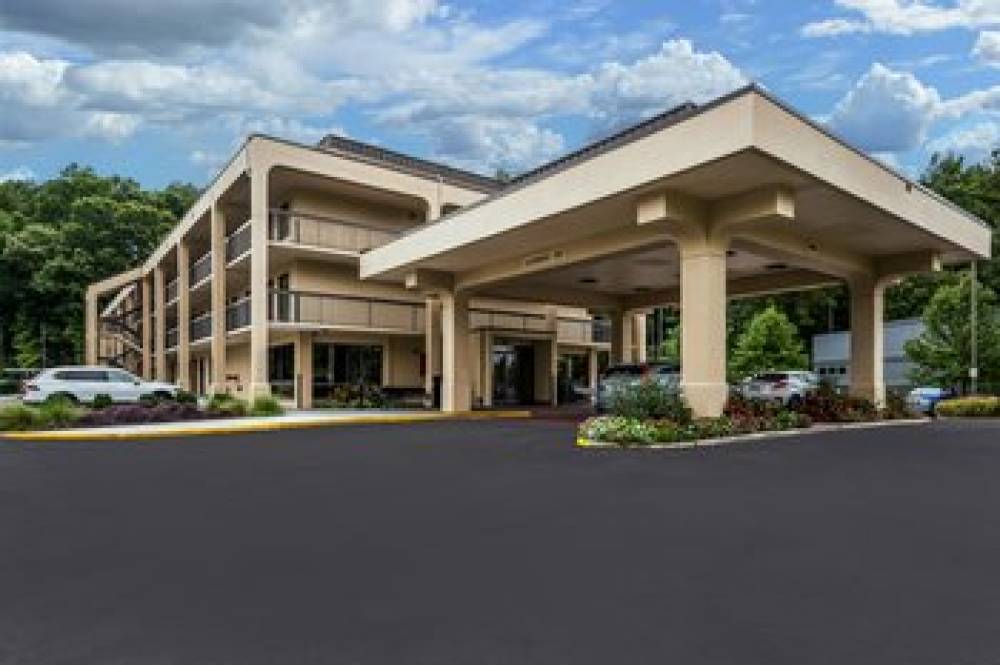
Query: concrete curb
point(102, 434)
point(756, 436)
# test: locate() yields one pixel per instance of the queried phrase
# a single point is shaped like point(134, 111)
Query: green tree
point(57, 237)
point(943, 353)
point(770, 342)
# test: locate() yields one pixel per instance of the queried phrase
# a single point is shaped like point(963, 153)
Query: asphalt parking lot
point(498, 543)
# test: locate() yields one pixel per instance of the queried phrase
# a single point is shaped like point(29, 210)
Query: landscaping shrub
point(649, 400)
point(266, 405)
point(637, 432)
point(225, 405)
point(58, 412)
point(18, 418)
point(102, 401)
point(896, 407)
point(827, 406)
point(186, 397)
point(137, 414)
point(969, 407)
point(8, 387)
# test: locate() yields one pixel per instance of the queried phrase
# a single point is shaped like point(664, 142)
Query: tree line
point(58, 236)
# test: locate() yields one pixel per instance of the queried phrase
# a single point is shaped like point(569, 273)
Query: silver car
point(617, 377)
point(85, 384)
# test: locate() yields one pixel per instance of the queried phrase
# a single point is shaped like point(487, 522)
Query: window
point(351, 364)
point(81, 375)
point(121, 377)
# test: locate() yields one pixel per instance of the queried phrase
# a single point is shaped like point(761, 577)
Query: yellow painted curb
point(389, 419)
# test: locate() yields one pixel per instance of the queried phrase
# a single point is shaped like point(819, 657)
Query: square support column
point(92, 333)
point(218, 378)
point(183, 315)
point(593, 374)
point(639, 338)
point(703, 327)
point(432, 344)
point(867, 311)
point(160, 331)
point(304, 370)
point(486, 368)
point(554, 372)
point(146, 289)
point(456, 386)
point(622, 324)
point(259, 320)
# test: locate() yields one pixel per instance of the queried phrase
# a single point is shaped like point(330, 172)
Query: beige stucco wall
point(354, 210)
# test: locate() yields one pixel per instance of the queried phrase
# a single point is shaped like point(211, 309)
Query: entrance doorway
point(513, 374)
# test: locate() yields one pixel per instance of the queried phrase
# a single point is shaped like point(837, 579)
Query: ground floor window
point(281, 364)
point(345, 365)
point(513, 373)
point(574, 377)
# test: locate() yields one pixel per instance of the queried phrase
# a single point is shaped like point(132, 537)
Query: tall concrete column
point(92, 333)
point(703, 326)
point(304, 370)
point(867, 310)
point(160, 329)
point(486, 367)
point(146, 293)
point(639, 337)
point(554, 372)
point(432, 343)
point(456, 385)
point(592, 372)
point(218, 221)
point(622, 325)
point(183, 314)
point(258, 384)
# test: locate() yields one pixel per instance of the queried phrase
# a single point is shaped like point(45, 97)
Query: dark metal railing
point(238, 315)
point(326, 232)
point(238, 243)
point(172, 290)
point(348, 311)
point(201, 327)
point(173, 336)
point(200, 269)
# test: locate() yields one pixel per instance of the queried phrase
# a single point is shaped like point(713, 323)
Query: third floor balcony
point(326, 233)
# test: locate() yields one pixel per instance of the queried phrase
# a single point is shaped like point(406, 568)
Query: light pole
point(974, 336)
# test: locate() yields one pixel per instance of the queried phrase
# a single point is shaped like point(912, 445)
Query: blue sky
point(165, 91)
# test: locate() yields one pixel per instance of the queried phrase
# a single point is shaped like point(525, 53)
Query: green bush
point(266, 405)
point(18, 418)
point(8, 387)
point(58, 412)
point(649, 400)
point(186, 397)
point(896, 407)
point(102, 401)
point(227, 406)
point(969, 407)
point(638, 432)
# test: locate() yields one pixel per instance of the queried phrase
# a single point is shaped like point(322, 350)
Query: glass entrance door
point(513, 374)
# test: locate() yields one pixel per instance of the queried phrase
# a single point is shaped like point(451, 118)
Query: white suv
point(83, 384)
point(787, 388)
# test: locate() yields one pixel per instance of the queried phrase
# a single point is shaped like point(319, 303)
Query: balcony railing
point(201, 327)
point(238, 243)
point(173, 337)
point(348, 311)
point(200, 269)
point(500, 320)
point(238, 315)
point(584, 331)
point(172, 290)
point(326, 232)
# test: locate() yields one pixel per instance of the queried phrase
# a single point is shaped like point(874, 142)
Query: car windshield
point(771, 377)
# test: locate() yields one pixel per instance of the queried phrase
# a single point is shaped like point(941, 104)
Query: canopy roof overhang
point(573, 229)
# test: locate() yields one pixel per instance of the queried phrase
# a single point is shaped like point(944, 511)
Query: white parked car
point(83, 384)
point(788, 388)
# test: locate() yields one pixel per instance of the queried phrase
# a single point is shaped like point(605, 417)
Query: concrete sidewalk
point(294, 420)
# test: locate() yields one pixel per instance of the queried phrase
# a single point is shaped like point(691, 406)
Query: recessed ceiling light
point(588, 280)
point(641, 289)
point(730, 252)
point(776, 266)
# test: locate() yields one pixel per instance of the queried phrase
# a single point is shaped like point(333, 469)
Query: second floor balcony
point(342, 311)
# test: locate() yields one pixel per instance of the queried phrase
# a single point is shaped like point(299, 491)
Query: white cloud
point(886, 111)
point(905, 17)
point(892, 111)
point(973, 143)
point(18, 173)
point(485, 143)
point(987, 48)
